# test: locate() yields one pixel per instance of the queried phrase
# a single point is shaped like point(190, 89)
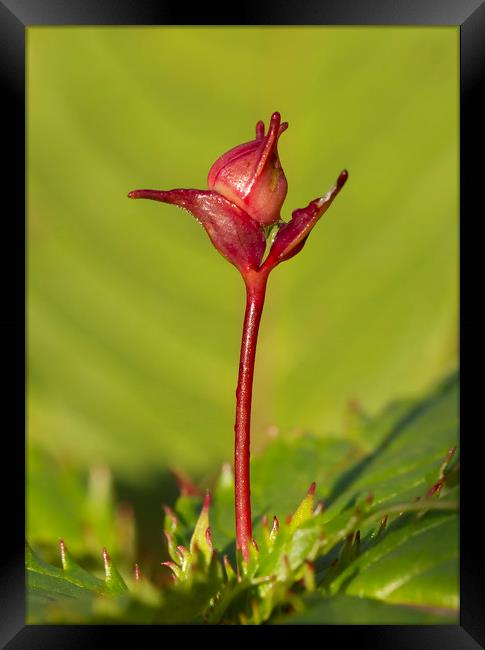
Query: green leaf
point(70, 580)
point(413, 561)
point(49, 586)
point(416, 562)
point(387, 538)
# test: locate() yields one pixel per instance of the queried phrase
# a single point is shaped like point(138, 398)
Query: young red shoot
point(246, 190)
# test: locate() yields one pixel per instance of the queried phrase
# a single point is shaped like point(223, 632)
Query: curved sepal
point(291, 236)
point(235, 235)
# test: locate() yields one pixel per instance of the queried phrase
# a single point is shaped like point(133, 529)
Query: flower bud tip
point(311, 489)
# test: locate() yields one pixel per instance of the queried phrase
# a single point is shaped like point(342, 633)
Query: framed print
point(244, 412)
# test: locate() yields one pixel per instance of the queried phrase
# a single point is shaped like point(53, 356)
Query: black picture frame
point(15, 17)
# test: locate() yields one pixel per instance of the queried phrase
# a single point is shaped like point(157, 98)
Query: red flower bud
point(250, 175)
point(247, 188)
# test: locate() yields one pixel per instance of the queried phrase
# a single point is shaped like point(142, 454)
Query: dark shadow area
point(147, 500)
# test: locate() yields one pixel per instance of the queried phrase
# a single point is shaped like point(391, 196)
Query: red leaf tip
point(341, 180)
point(319, 508)
point(311, 489)
point(207, 501)
point(276, 525)
point(63, 550)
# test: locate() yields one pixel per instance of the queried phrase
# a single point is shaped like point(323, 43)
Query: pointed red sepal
point(291, 236)
point(235, 235)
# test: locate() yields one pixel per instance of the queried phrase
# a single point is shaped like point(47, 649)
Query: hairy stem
point(255, 293)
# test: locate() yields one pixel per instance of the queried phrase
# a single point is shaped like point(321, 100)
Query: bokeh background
point(134, 319)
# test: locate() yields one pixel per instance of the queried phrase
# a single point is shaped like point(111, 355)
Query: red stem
point(255, 293)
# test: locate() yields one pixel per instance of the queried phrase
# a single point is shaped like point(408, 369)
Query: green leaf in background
point(134, 320)
point(393, 465)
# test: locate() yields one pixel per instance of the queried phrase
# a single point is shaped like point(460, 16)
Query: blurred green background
point(134, 319)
